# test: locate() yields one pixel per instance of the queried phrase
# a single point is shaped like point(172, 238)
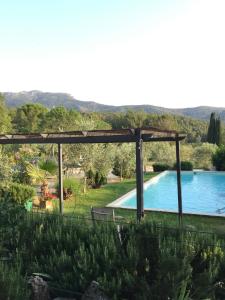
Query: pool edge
point(116, 203)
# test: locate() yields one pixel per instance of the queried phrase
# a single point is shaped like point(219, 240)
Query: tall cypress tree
point(211, 136)
point(214, 130)
point(218, 132)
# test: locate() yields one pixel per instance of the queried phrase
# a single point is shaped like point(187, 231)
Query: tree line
point(33, 118)
point(37, 118)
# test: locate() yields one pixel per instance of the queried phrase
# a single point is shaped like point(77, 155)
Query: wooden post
point(178, 167)
point(60, 178)
point(139, 176)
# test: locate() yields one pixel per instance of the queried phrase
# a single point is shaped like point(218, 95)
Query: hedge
point(16, 192)
point(160, 167)
point(134, 263)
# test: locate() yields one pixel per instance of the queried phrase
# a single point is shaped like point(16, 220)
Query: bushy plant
point(126, 169)
point(218, 158)
point(132, 264)
point(71, 187)
point(26, 155)
point(160, 167)
point(49, 165)
point(202, 156)
point(16, 192)
point(13, 285)
point(95, 180)
point(185, 166)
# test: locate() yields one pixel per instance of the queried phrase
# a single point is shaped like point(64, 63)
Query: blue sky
point(167, 53)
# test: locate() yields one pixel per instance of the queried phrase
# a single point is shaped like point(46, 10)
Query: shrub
point(99, 180)
point(13, 285)
point(95, 179)
point(16, 192)
point(218, 159)
point(160, 167)
point(135, 264)
point(184, 165)
point(49, 166)
point(71, 187)
point(202, 156)
point(124, 170)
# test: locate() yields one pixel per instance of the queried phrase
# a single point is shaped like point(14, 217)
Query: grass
point(101, 197)
point(110, 192)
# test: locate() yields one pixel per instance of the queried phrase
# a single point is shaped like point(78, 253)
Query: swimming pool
point(202, 193)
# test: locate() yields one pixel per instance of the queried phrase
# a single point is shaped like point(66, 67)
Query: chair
point(106, 214)
point(102, 213)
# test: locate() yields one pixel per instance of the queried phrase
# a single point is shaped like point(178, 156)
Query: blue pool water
point(203, 192)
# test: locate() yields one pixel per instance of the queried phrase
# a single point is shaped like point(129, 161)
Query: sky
point(167, 53)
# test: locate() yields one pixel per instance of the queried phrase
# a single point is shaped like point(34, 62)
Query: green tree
point(124, 163)
point(162, 152)
point(218, 158)
point(60, 119)
point(202, 156)
point(218, 138)
point(214, 130)
point(5, 120)
point(6, 165)
point(135, 119)
point(28, 118)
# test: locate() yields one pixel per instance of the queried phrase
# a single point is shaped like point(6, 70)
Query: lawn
point(110, 192)
point(101, 197)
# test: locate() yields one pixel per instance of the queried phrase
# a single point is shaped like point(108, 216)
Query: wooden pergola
point(137, 136)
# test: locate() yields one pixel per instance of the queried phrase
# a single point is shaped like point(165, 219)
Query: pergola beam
point(89, 139)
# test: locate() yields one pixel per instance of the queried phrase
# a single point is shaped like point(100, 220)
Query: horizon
point(166, 53)
point(144, 104)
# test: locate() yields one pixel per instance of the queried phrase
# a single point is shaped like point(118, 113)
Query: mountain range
point(51, 100)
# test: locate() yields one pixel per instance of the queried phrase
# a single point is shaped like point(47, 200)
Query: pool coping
point(116, 203)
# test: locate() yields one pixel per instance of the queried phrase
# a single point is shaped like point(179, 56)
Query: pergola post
point(60, 165)
point(139, 175)
point(178, 168)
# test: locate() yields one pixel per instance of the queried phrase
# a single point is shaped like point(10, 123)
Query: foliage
point(124, 162)
point(161, 152)
point(49, 165)
point(13, 285)
point(97, 157)
point(5, 119)
point(71, 187)
point(95, 179)
point(24, 156)
point(202, 156)
point(218, 132)
point(218, 158)
point(6, 163)
point(184, 165)
point(134, 264)
point(60, 119)
point(196, 130)
point(36, 174)
point(28, 117)
point(18, 193)
point(160, 167)
point(214, 130)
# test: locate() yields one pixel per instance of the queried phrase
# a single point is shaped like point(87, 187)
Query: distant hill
point(62, 99)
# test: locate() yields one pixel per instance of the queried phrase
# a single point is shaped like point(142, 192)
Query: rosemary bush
point(138, 262)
